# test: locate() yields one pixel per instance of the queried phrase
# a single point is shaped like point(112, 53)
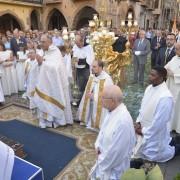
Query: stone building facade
point(50, 14)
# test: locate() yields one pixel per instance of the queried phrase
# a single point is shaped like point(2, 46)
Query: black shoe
point(136, 163)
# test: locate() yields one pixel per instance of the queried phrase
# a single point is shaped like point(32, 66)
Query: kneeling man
point(152, 125)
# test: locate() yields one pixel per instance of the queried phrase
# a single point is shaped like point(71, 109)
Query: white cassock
point(90, 112)
point(31, 77)
point(68, 65)
point(9, 77)
point(115, 142)
point(20, 68)
point(173, 84)
point(52, 91)
point(6, 161)
point(1, 90)
point(154, 115)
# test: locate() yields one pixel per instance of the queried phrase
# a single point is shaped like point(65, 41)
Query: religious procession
point(96, 102)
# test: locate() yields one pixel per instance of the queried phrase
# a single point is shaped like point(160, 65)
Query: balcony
point(156, 11)
point(150, 5)
point(32, 1)
point(143, 3)
point(37, 3)
point(52, 1)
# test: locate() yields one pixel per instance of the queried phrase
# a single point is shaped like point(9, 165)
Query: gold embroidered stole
point(99, 106)
point(86, 100)
point(49, 99)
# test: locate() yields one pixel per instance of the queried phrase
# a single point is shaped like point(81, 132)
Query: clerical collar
point(97, 75)
point(156, 86)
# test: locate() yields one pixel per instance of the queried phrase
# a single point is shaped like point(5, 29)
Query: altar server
point(152, 124)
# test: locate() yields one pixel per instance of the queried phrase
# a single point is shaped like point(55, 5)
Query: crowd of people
point(39, 64)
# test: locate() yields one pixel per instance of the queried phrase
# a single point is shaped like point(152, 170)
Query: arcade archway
point(83, 16)
point(8, 22)
point(56, 20)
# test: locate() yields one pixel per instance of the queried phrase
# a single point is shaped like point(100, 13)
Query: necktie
point(140, 41)
point(167, 54)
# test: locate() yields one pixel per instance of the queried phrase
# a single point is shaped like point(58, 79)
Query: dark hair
point(161, 71)
point(171, 34)
point(100, 63)
point(2, 45)
point(62, 48)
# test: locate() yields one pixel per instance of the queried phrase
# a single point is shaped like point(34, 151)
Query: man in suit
point(140, 51)
point(16, 42)
point(167, 53)
point(157, 42)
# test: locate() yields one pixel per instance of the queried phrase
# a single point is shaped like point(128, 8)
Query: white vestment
point(115, 142)
point(91, 112)
point(68, 65)
point(6, 161)
point(1, 90)
point(9, 78)
point(154, 116)
point(31, 77)
point(20, 67)
point(51, 93)
point(173, 84)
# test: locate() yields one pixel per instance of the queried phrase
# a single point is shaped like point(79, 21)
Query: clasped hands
point(90, 95)
point(138, 128)
point(39, 59)
point(137, 53)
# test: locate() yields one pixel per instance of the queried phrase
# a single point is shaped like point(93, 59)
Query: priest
point(173, 83)
point(6, 161)
point(90, 112)
point(116, 138)
point(51, 95)
point(153, 134)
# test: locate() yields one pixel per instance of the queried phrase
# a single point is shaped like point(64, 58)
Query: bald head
point(46, 41)
point(177, 48)
point(112, 96)
point(114, 92)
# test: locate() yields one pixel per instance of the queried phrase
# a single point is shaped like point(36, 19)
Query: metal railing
point(32, 1)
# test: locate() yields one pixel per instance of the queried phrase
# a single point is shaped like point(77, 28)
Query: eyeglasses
point(170, 39)
point(106, 97)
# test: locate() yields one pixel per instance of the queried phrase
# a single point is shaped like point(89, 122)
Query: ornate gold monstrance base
point(115, 63)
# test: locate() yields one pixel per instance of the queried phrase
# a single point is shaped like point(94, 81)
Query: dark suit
point(162, 59)
point(155, 51)
point(15, 45)
point(139, 61)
